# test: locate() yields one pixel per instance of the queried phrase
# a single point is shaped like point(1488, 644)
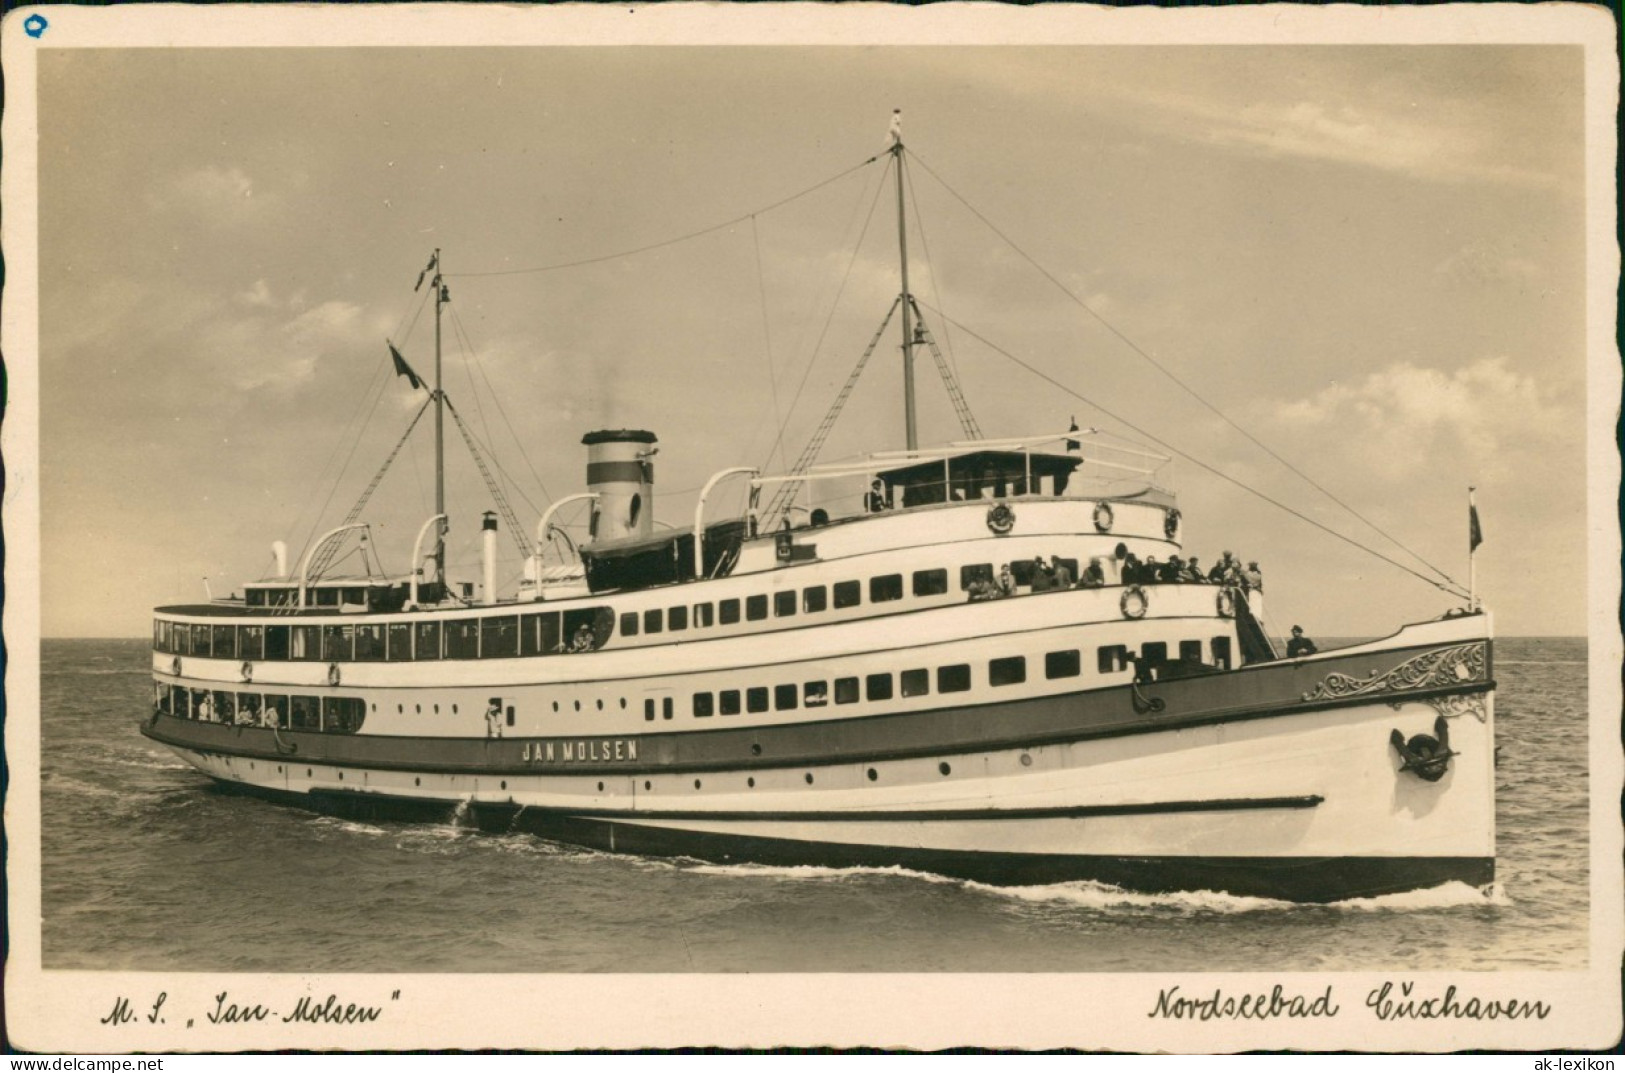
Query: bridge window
point(225, 641)
point(277, 709)
point(276, 642)
point(677, 618)
point(629, 624)
point(1190, 651)
point(702, 616)
point(1063, 664)
point(463, 639)
point(1221, 653)
point(784, 603)
point(200, 640)
point(703, 705)
point(338, 643)
point(784, 697)
point(756, 699)
point(728, 612)
point(930, 582)
point(916, 683)
point(499, 637)
point(814, 599)
point(369, 642)
point(649, 709)
point(848, 594)
point(1009, 671)
point(307, 642)
point(815, 694)
point(886, 587)
point(755, 607)
point(251, 642)
point(954, 678)
point(877, 687)
point(653, 620)
point(1154, 652)
point(846, 691)
point(343, 715)
point(248, 708)
point(1111, 658)
point(549, 635)
point(428, 640)
point(398, 641)
point(728, 701)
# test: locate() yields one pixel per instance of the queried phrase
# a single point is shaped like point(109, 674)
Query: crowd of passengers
point(1123, 568)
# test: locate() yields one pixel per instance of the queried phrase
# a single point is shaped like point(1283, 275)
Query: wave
point(808, 871)
point(1091, 895)
point(1450, 895)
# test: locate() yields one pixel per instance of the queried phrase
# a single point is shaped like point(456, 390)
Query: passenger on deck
point(1043, 579)
point(1193, 572)
point(1007, 581)
point(1299, 645)
point(1253, 578)
point(1150, 571)
point(582, 639)
point(1220, 569)
point(269, 717)
point(983, 588)
point(1061, 572)
point(1129, 565)
point(1094, 577)
point(875, 501)
point(1171, 571)
point(493, 720)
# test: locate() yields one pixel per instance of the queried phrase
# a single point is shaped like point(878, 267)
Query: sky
point(1370, 258)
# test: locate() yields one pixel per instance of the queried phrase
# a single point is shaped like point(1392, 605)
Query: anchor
point(1427, 756)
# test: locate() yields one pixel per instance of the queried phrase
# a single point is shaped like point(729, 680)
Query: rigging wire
point(1109, 326)
point(925, 248)
point(846, 277)
point(767, 339)
point(670, 241)
point(1456, 591)
point(359, 421)
point(502, 411)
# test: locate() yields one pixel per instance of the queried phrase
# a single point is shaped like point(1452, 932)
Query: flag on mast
point(403, 369)
point(1475, 535)
point(433, 260)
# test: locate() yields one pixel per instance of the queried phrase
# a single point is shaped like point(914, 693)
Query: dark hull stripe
point(1100, 713)
point(1301, 879)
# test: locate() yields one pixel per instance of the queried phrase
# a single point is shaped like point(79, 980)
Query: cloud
point(1401, 419)
point(1479, 264)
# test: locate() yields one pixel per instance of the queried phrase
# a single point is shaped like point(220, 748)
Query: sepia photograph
point(905, 521)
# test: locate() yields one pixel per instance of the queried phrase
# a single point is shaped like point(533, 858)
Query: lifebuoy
point(1103, 517)
point(1133, 603)
point(1001, 519)
point(333, 674)
point(1226, 601)
point(247, 670)
point(1170, 522)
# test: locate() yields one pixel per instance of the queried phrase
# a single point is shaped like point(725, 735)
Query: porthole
point(307, 773)
point(944, 768)
point(755, 750)
point(646, 784)
point(375, 706)
point(437, 709)
point(1026, 761)
point(418, 708)
point(279, 769)
point(623, 704)
point(696, 784)
point(341, 776)
point(454, 709)
point(809, 778)
point(251, 765)
point(555, 706)
point(873, 774)
point(504, 784)
point(751, 782)
point(400, 709)
point(417, 782)
point(578, 705)
point(600, 787)
point(600, 705)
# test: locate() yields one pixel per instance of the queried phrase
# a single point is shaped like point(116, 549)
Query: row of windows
point(954, 678)
point(503, 636)
point(330, 715)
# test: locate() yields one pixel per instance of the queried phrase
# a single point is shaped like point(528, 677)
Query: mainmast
point(902, 246)
point(440, 298)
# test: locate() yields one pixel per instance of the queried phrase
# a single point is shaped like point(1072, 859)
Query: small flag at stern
point(1475, 535)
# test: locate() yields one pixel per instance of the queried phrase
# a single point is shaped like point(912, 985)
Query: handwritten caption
point(1390, 1001)
point(306, 1009)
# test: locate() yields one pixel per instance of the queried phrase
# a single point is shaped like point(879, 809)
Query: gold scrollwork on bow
point(1438, 669)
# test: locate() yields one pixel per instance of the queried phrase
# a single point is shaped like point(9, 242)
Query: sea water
point(145, 867)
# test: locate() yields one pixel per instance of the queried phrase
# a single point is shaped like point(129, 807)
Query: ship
point(984, 659)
